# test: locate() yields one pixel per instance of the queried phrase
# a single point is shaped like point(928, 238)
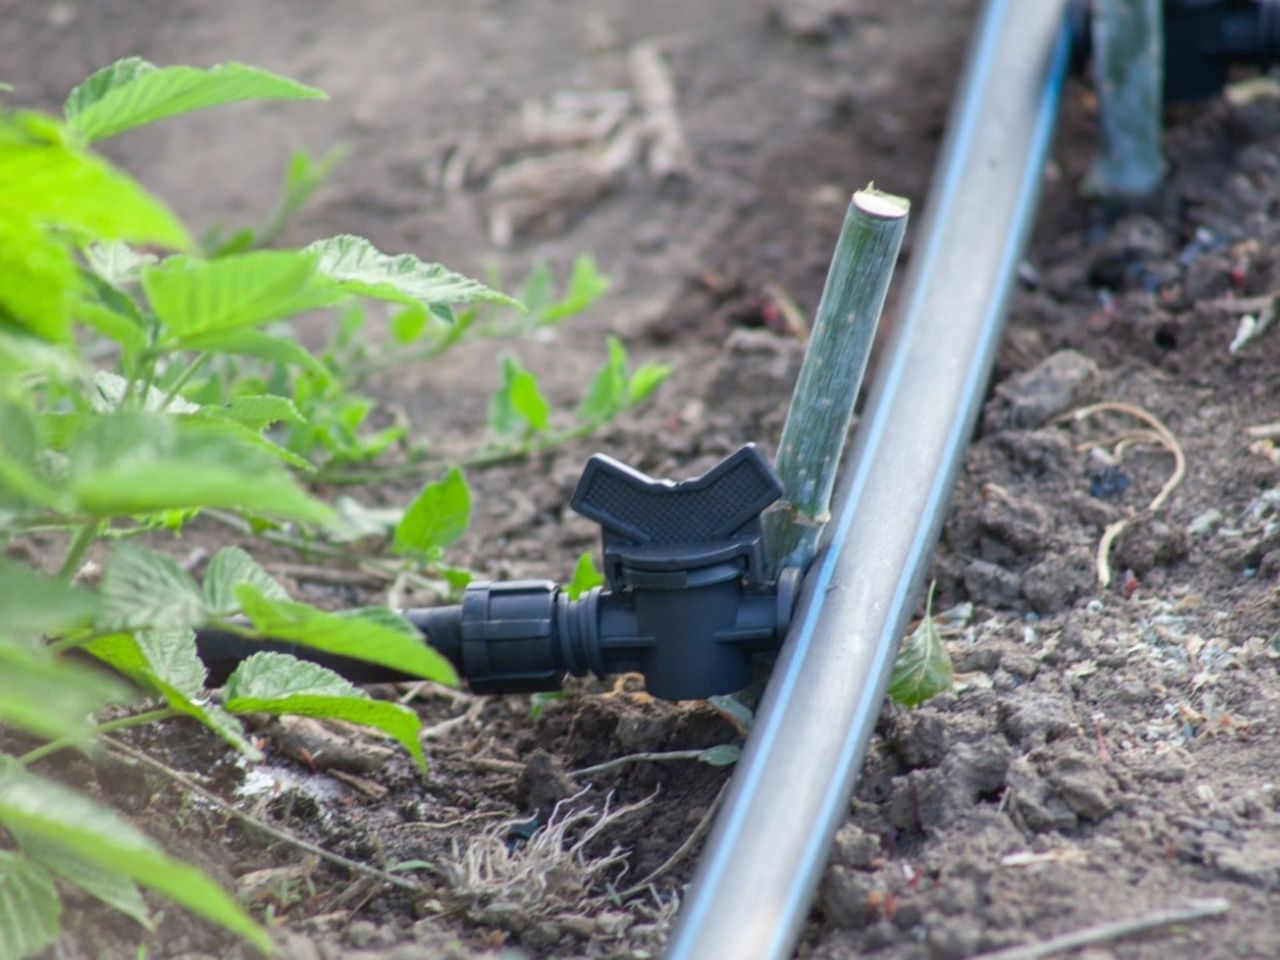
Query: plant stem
point(822, 406)
point(1128, 70)
point(80, 542)
point(201, 359)
point(134, 720)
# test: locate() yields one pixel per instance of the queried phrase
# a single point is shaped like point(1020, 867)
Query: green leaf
point(215, 422)
point(538, 702)
point(50, 697)
point(21, 353)
point(377, 635)
point(125, 464)
point(721, 755)
point(607, 395)
point(923, 668)
point(518, 406)
point(410, 323)
point(167, 662)
point(586, 285)
point(37, 279)
point(278, 683)
point(109, 390)
point(54, 184)
point(734, 711)
point(180, 483)
point(145, 590)
point(438, 516)
point(116, 262)
point(645, 380)
point(258, 411)
point(261, 346)
point(229, 568)
point(97, 834)
point(30, 909)
point(357, 266)
point(34, 604)
point(111, 887)
point(585, 577)
point(195, 298)
point(132, 92)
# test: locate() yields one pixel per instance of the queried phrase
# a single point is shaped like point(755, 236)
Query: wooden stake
point(822, 405)
point(1128, 71)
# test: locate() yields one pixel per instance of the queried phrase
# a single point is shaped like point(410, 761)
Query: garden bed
point(1107, 752)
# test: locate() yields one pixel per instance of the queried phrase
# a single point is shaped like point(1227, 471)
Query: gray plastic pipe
point(791, 790)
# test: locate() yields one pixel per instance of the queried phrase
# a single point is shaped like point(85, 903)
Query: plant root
point(1158, 433)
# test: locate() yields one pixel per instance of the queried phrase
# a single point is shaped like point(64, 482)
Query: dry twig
point(1103, 932)
point(700, 831)
point(272, 831)
point(655, 756)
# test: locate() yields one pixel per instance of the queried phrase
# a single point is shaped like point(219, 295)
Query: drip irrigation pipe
point(791, 788)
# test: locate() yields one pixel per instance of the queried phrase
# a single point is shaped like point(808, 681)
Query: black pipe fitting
point(687, 604)
point(1203, 39)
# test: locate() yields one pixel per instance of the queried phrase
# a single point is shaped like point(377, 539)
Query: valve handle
point(641, 510)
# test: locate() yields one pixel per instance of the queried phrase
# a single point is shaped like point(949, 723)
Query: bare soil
point(1107, 752)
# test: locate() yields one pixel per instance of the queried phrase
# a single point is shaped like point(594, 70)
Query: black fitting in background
point(1203, 39)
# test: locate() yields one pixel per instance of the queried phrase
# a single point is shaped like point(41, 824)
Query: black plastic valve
point(688, 604)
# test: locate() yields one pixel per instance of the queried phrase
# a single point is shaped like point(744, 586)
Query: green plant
point(145, 380)
point(923, 668)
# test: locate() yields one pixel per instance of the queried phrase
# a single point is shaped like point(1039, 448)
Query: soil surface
point(1108, 751)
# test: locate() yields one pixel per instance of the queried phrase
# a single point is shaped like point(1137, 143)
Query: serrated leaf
point(181, 483)
point(145, 590)
point(26, 354)
point(437, 517)
point(377, 635)
point(167, 663)
point(585, 577)
point(37, 279)
point(116, 262)
point(278, 683)
point(49, 697)
point(923, 668)
point(54, 184)
point(261, 346)
point(229, 568)
point(137, 463)
point(607, 395)
point(132, 92)
point(34, 604)
point(645, 380)
point(721, 755)
point(518, 406)
point(586, 285)
point(196, 298)
point(97, 834)
point(112, 324)
point(357, 266)
point(214, 422)
point(262, 410)
point(111, 887)
point(108, 395)
point(30, 908)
